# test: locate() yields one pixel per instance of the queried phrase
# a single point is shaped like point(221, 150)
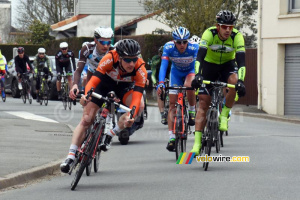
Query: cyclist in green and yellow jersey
point(221, 56)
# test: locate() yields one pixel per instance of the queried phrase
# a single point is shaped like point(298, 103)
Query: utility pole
point(113, 18)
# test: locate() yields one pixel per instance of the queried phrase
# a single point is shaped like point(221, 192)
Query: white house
point(279, 57)
point(5, 20)
point(89, 14)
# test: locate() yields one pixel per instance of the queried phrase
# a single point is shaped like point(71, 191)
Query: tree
point(198, 15)
point(46, 11)
point(39, 32)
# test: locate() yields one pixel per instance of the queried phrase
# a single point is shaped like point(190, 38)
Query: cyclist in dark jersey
point(221, 56)
point(62, 60)
point(155, 66)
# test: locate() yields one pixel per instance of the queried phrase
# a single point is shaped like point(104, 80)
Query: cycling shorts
point(107, 84)
point(214, 72)
point(68, 70)
point(177, 78)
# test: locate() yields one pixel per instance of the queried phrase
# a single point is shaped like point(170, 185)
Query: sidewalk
point(31, 151)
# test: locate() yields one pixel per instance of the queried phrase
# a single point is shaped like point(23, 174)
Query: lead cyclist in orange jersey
point(121, 71)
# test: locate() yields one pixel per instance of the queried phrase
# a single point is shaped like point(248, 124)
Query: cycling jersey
point(63, 61)
point(219, 51)
point(40, 63)
point(3, 64)
point(20, 63)
point(181, 62)
point(108, 70)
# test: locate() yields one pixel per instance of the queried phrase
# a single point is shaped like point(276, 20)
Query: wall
point(5, 21)
point(276, 28)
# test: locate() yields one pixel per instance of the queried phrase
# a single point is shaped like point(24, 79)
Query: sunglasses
point(129, 60)
point(64, 49)
point(225, 27)
point(104, 42)
point(181, 42)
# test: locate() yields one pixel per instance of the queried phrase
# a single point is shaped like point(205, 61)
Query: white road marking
point(27, 115)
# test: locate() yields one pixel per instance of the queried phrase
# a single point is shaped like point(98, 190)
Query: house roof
point(67, 23)
point(136, 20)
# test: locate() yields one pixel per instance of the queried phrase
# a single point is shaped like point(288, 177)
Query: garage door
point(292, 80)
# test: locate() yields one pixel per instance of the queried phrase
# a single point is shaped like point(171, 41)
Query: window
point(294, 6)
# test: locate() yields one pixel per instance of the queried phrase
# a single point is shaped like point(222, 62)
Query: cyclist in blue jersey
point(182, 53)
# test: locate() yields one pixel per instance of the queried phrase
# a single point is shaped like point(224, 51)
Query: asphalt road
point(144, 169)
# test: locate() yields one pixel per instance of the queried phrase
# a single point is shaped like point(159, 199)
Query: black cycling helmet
point(20, 49)
point(225, 17)
point(128, 47)
point(161, 49)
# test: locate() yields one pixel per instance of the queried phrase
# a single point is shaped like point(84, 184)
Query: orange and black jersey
point(109, 67)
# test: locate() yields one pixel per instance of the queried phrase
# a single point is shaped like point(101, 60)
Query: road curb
point(30, 174)
point(268, 116)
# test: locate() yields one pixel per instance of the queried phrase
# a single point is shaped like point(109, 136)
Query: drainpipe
point(259, 56)
point(113, 19)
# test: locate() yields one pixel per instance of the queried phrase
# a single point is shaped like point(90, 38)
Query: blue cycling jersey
point(181, 62)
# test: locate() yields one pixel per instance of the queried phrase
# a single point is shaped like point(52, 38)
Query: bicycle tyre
point(69, 102)
point(221, 138)
point(46, 95)
point(178, 129)
point(63, 98)
point(23, 94)
point(84, 161)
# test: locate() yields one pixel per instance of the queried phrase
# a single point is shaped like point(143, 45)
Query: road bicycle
point(44, 91)
point(181, 128)
point(165, 98)
point(67, 101)
point(89, 150)
point(211, 134)
point(26, 88)
point(2, 92)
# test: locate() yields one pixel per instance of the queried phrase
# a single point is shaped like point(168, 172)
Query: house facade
point(89, 14)
point(5, 20)
point(279, 57)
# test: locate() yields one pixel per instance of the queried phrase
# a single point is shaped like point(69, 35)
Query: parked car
point(11, 81)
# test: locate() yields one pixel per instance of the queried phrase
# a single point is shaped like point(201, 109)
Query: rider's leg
point(171, 118)
point(191, 99)
point(161, 109)
point(204, 101)
point(87, 119)
point(229, 103)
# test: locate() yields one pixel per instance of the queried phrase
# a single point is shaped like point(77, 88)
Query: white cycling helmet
point(85, 43)
point(63, 45)
point(103, 32)
point(195, 39)
point(41, 50)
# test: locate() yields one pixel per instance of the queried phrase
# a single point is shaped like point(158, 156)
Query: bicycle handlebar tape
point(74, 101)
point(132, 112)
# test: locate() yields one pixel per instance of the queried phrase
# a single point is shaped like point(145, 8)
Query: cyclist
point(42, 64)
point(91, 54)
point(182, 54)
point(62, 60)
point(121, 71)
point(3, 71)
point(221, 57)
point(21, 62)
point(195, 39)
point(155, 65)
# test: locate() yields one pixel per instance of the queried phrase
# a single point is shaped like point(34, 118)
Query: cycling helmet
point(128, 47)
point(85, 43)
point(181, 33)
point(63, 45)
point(161, 49)
point(20, 49)
point(195, 39)
point(41, 50)
point(225, 17)
point(103, 32)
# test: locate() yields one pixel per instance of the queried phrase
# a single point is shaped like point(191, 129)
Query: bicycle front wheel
point(179, 144)
point(90, 144)
point(69, 103)
point(23, 95)
point(46, 95)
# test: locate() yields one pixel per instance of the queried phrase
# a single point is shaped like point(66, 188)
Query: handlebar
point(98, 96)
point(218, 84)
point(74, 101)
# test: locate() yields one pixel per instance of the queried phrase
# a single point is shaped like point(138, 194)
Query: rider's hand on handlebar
point(83, 101)
point(158, 88)
point(72, 95)
point(240, 88)
point(196, 83)
point(128, 122)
